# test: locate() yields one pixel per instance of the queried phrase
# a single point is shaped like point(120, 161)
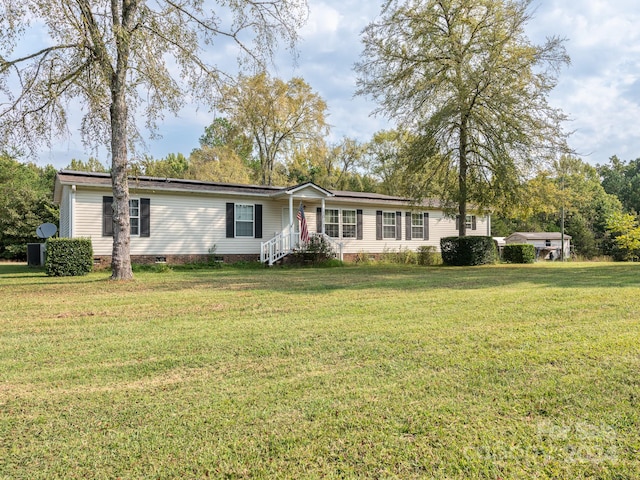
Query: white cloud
point(599, 90)
point(323, 20)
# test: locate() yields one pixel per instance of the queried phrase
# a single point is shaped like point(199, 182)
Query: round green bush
point(519, 253)
point(68, 257)
point(468, 251)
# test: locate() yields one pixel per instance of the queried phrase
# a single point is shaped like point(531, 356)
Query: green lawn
point(496, 372)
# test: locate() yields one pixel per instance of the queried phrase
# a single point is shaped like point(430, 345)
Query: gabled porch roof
point(304, 190)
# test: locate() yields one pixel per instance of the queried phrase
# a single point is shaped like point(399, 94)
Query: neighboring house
point(186, 220)
point(548, 244)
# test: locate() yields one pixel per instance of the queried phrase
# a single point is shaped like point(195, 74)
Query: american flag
point(304, 231)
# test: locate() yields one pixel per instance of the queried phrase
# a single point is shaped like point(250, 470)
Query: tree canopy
point(279, 117)
point(463, 77)
point(622, 179)
point(118, 58)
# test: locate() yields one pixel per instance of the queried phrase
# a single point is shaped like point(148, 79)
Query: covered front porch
point(301, 199)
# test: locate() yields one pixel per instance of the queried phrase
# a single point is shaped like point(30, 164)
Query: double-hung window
point(139, 217)
point(417, 225)
point(332, 222)
point(134, 216)
point(388, 225)
point(349, 224)
point(244, 220)
point(470, 222)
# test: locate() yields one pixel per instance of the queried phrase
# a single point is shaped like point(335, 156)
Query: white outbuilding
point(548, 244)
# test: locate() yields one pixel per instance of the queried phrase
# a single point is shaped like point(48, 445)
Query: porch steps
point(284, 243)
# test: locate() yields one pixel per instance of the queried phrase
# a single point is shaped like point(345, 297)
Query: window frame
point(133, 217)
point(236, 220)
point(386, 225)
point(352, 225)
point(468, 222)
point(335, 224)
point(414, 227)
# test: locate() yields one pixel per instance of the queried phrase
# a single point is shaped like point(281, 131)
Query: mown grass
point(356, 372)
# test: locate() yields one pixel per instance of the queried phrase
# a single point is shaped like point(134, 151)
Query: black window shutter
point(458, 222)
point(426, 226)
point(145, 217)
point(319, 220)
point(473, 222)
point(231, 211)
point(408, 226)
point(359, 232)
point(379, 225)
point(398, 225)
point(258, 226)
point(107, 216)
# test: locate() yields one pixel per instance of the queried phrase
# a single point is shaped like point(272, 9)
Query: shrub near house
point(468, 251)
point(519, 253)
point(68, 257)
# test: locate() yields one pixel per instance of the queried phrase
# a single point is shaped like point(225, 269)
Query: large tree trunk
point(462, 180)
point(123, 23)
point(121, 258)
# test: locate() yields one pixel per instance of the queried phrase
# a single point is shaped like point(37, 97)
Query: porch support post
point(291, 229)
point(322, 219)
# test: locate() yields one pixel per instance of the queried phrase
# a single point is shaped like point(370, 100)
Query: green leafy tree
point(307, 164)
point(278, 116)
point(571, 186)
point(225, 155)
point(118, 56)
point(626, 233)
point(343, 166)
point(386, 154)
point(343, 163)
point(222, 133)
point(218, 164)
point(622, 179)
point(174, 165)
point(463, 77)
point(91, 165)
point(26, 201)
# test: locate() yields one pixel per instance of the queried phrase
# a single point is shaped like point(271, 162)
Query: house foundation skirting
point(105, 260)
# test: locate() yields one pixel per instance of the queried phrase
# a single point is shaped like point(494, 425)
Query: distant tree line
point(599, 203)
point(26, 201)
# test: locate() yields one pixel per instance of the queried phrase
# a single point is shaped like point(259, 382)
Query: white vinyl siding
point(65, 213)
point(193, 223)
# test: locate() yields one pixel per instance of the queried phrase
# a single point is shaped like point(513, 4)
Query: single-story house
point(178, 220)
point(548, 244)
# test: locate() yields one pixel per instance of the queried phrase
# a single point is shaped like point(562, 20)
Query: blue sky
point(600, 90)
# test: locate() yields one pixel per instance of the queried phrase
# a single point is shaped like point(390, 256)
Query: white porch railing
point(279, 246)
point(283, 243)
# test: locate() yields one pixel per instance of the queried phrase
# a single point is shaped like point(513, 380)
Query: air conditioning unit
point(36, 253)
